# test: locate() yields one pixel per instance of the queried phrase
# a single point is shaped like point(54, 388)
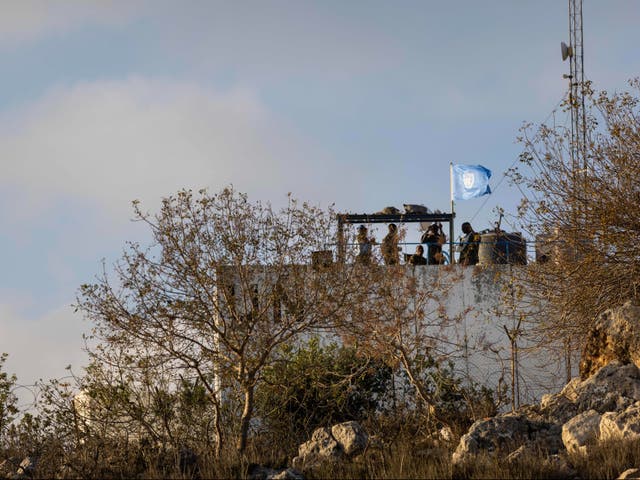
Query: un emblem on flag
point(468, 179)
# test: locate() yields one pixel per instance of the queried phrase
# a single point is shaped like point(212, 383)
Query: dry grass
point(608, 460)
point(406, 457)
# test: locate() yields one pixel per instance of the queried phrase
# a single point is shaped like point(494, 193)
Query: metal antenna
point(578, 148)
point(575, 53)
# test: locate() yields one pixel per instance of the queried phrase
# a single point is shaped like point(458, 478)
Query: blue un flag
point(470, 181)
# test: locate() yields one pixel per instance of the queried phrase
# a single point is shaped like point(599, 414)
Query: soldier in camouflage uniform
point(389, 246)
point(469, 245)
point(364, 246)
point(434, 237)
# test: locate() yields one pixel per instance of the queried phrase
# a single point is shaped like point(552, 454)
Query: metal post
point(452, 255)
point(340, 240)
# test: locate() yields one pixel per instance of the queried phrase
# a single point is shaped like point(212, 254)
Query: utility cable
point(504, 174)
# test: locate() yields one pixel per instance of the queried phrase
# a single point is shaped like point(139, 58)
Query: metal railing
point(502, 251)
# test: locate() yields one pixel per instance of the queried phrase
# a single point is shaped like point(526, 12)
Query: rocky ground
point(602, 405)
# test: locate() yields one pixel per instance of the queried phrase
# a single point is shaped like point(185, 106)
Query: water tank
point(502, 248)
point(554, 248)
point(545, 247)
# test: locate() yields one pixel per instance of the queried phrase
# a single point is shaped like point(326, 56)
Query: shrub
point(315, 385)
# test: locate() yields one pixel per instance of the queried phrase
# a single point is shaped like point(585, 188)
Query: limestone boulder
point(558, 462)
point(558, 408)
point(622, 424)
point(506, 432)
point(614, 336)
point(613, 387)
point(581, 431)
point(604, 406)
point(321, 448)
point(286, 474)
point(444, 437)
point(258, 472)
point(333, 444)
point(351, 437)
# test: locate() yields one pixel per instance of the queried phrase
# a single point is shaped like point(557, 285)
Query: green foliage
point(458, 402)
point(318, 385)
point(8, 400)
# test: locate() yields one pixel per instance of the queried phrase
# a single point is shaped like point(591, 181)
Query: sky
point(361, 104)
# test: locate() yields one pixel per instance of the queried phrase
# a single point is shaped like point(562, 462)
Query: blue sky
point(358, 103)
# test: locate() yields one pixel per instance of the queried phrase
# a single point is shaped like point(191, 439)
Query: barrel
point(487, 252)
point(544, 248)
point(502, 248)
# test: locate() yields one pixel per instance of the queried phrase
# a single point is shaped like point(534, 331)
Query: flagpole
point(452, 257)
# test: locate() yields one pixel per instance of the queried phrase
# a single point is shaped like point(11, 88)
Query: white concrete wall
point(482, 296)
point(486, 293)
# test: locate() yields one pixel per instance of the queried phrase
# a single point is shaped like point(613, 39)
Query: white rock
point(630, 474)
point(351, 437)
point(581, 431)
point(320, 448)
point(621, 425)
point(288, 474)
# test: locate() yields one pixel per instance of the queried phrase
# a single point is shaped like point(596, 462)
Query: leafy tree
point(112, 423)
point(401, 318)
point(224, 284)
point(586, 202)
point(457, 400)
point(320, 385)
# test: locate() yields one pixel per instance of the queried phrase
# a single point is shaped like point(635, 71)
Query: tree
point(8, 399)
point(401, 318)
point(224, 284)
point(586, 204)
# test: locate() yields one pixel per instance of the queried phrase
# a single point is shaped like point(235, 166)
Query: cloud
point(42, 347)
point(108, 143)
point(27, 20)
point(74, 159)
point(276, 38)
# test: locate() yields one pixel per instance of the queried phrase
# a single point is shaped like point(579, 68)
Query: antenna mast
point(578, 148)
point(575, 52)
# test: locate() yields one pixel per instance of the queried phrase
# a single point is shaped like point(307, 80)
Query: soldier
point(364, 246)
point(434, 237)
point(389, 246)
point(469, 245)
point(418, 258)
